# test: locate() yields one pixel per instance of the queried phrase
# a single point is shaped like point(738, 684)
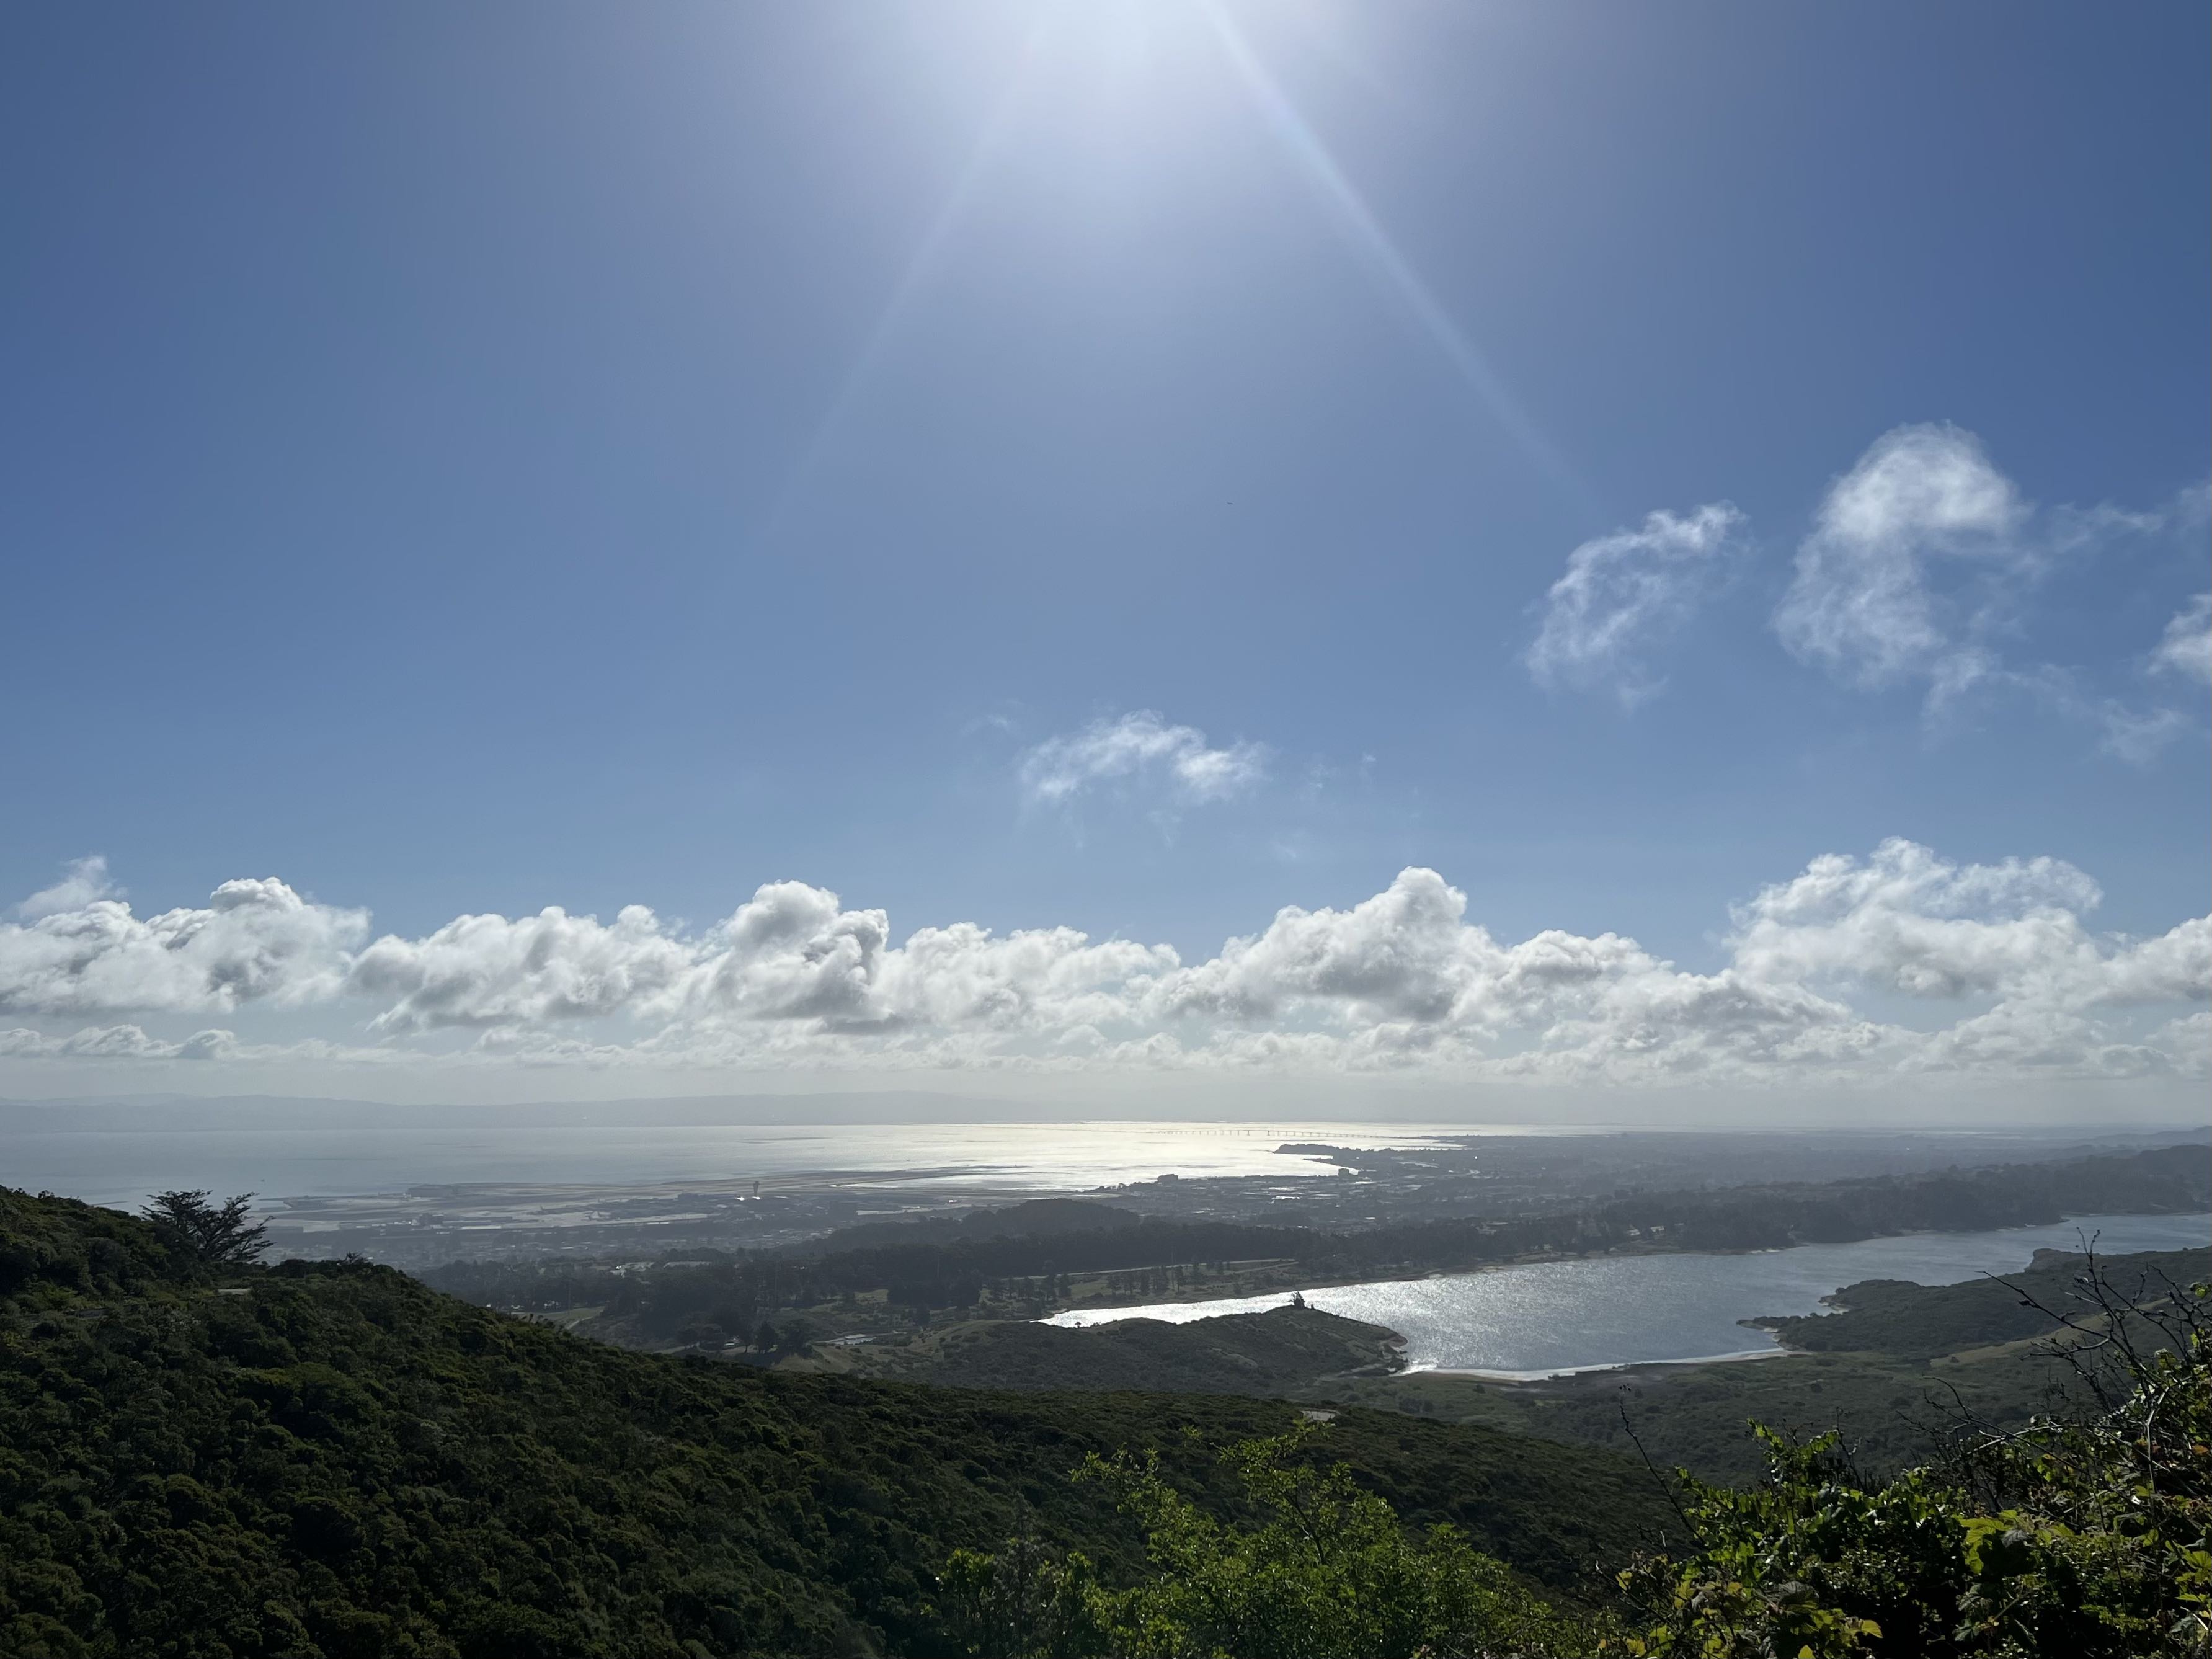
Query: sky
point(1520, 553)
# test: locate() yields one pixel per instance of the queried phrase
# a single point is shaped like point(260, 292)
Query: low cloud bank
point(1897, 964)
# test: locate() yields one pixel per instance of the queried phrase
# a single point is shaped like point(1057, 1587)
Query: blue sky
point(1105, 467)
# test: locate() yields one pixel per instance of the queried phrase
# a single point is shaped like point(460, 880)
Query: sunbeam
point(1372, 245)
point(927, 255)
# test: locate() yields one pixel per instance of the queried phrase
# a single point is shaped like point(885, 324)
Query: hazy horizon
point(1434, 1109)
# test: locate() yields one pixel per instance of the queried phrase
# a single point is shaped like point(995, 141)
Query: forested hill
point(334, 1459)
point(1920, 1322)
point(1280, 1352)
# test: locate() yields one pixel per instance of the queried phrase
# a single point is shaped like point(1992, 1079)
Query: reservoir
point(1545, 1318)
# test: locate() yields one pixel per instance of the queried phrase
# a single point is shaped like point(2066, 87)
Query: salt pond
point(1546, 1318)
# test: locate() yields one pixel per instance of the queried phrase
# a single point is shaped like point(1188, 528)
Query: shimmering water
point(1549, 1317)
point(120, 1167)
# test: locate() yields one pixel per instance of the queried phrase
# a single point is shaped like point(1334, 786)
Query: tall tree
point(214, 1234)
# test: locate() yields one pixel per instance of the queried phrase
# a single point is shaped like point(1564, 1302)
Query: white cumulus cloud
point(254, 940)
point(1138, 744)
point(1862, 606)
point(1623, 594)
point(1918, 565)
point(2002, 957)
point(86, 880)
point(483, 971)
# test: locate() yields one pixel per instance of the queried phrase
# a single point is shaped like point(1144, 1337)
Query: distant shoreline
point(1093, 1315)
point(1185, 1295)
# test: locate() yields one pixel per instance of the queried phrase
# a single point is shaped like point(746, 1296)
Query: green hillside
point(332, 1459)
point(1920, 1322)
point(1270, 1353)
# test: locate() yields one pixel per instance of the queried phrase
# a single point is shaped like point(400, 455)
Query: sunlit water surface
point(120, 1167)
point(1550, 1317)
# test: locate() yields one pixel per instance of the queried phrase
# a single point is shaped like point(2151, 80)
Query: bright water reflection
point(121, 1167)
point(1553, 1317)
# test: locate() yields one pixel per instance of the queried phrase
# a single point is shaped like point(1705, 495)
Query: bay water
point(1548, 1318)
point(121, 1166)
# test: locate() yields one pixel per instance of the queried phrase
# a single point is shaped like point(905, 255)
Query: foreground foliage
point(1320, 1568)
point(2090, 1537)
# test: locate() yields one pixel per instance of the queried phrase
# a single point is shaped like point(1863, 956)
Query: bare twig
point(1665, 1486)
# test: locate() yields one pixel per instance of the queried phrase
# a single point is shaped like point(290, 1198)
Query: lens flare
point(1375, 250)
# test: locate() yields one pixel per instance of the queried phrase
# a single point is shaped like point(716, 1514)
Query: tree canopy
point(213, 1235)
point(1321, 1568)
point(331, 1459)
